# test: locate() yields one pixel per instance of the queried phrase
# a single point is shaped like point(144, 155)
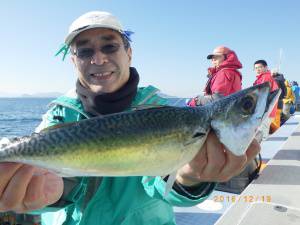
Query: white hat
point(94, 19)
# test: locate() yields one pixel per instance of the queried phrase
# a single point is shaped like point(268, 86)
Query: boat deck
point(274, 197)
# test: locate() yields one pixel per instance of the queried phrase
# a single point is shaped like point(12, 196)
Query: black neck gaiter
point(107, 103)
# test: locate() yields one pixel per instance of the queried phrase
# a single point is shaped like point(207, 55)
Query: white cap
point(94, 19)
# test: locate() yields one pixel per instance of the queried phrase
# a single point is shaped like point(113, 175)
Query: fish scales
point(141, 138)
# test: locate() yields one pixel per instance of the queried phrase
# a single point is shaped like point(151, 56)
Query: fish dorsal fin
point(56, 126)
point(150, 106)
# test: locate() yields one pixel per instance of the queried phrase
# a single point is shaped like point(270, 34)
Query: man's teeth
point(101, 74)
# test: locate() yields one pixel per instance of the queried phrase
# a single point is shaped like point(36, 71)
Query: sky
point(171, 41)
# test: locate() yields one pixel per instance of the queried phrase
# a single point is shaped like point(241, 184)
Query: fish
point(146, 142)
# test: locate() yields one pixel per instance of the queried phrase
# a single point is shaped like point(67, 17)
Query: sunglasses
point(88, 53)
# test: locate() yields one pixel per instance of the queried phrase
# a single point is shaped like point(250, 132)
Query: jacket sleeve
point(204, 99)
point(155, 188)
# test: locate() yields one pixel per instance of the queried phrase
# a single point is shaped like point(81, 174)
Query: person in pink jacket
point(224, 77)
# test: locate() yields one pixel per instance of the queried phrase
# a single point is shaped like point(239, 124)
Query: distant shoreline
point(35, 95)
point(1, 97)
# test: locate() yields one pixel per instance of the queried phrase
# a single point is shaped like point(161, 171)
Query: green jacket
point(113, 200)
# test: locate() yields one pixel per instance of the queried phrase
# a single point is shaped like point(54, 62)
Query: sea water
point(20, 116)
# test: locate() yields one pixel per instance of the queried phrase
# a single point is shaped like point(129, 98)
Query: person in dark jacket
point(279, 78)
point(223, 79)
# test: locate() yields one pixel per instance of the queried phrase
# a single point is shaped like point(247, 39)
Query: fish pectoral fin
point(196, 136)
point(60, 125)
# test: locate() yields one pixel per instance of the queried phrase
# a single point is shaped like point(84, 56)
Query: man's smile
point(102, 76)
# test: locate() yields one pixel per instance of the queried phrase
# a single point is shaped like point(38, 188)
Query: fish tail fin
point(4, 142)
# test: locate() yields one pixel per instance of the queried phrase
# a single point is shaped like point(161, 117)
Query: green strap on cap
point(65, 50)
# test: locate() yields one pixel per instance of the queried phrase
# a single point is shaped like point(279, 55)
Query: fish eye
point(248, 105)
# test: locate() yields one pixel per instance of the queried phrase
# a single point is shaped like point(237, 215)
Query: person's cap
point(221, 50)
point(94, 19)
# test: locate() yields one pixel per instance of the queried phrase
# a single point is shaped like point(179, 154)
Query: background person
point(263, 75)
point(288, 101)
point(224, 78)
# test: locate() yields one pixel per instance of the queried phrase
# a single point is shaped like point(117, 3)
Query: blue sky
point(170, 44)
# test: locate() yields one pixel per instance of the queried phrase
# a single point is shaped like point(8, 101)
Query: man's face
point(216, 60)
point(101, 60)
point(259, 68)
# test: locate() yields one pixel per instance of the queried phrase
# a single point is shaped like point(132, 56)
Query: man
point(263, 75)
point(101, 53)
point(223, 77)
